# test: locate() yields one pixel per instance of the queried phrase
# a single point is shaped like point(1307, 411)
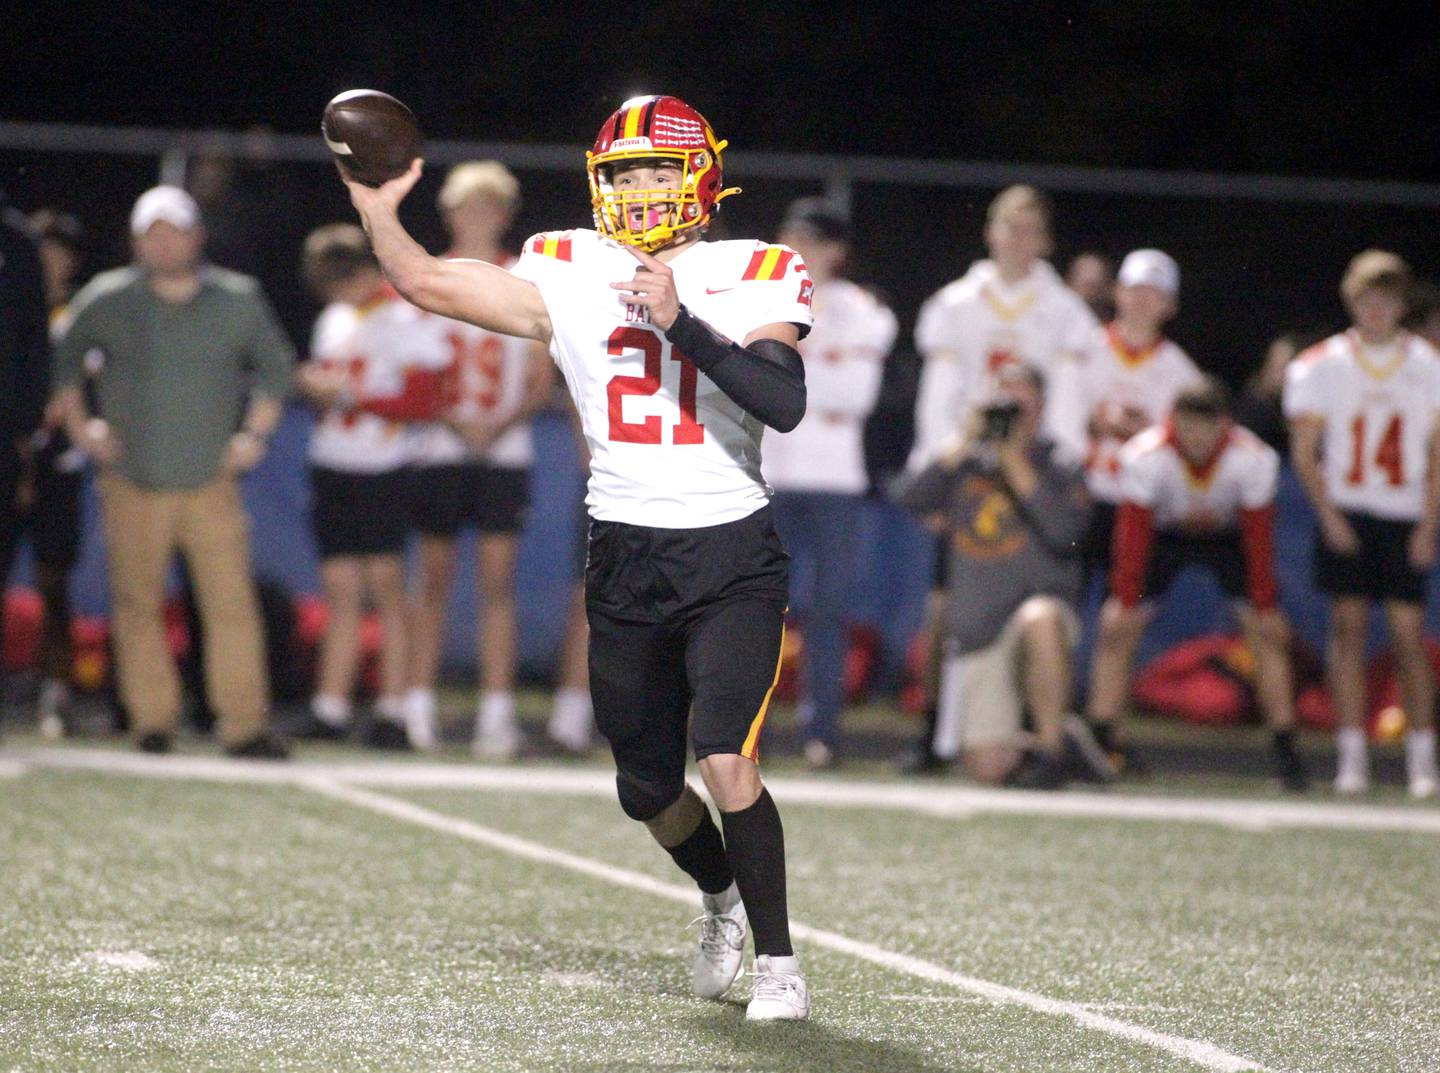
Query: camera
point(998, 418)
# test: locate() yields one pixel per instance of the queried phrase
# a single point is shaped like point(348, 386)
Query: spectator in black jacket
point(24, 370)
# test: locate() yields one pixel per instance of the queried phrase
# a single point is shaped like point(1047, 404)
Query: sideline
point(929, 798)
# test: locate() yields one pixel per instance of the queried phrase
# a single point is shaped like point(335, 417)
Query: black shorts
point(468, 495)
point(686, 628)
point(1222, 554)
point(1381, 570)
point(1099, 537)
point(355, 513)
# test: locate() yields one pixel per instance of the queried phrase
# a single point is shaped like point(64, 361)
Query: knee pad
point(644, 799)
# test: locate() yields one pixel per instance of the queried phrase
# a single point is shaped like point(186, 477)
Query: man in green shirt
point(192, 372)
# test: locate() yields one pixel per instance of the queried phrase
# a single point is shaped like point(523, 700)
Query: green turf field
point(344, 921)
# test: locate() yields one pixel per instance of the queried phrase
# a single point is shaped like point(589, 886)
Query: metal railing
point(838, 173)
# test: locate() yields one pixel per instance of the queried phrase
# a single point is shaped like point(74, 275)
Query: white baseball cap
point(168, 203)
point(1150, 268)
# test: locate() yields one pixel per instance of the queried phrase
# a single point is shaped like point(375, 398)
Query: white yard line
point(1202, 1053)
point(338, 781)
point(929, 798)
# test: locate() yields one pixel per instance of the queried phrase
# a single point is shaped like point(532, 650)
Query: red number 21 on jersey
point(688, 430)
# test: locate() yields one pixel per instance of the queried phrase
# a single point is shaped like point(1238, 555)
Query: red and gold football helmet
point(656, 128)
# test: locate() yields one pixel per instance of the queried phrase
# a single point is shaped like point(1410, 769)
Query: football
point(373, 136)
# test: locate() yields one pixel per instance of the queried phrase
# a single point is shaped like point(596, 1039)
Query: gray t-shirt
point(176, 377)
point(1002, 550)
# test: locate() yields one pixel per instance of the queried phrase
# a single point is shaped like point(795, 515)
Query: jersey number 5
point(688, 430)
point(1387, 455)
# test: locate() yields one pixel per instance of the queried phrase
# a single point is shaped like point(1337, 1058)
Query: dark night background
point(1312, 89)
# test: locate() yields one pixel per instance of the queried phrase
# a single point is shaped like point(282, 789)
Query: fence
point(1260, 254)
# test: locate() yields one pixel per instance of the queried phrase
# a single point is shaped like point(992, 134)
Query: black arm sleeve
point(766, 379)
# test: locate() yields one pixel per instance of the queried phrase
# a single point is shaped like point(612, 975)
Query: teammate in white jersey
point(373, 366)
point(677, 352)
point(818, 470)
point(1012, 307)
point(1128, 381)
point(1197, 490)
point(470, 470)
point(1363, 407)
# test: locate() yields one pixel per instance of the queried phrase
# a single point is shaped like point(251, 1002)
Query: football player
point(374, 365)
point(818, 470)
point(678, 352)
point(471, 470)
point(1197, 490)
point(1011, 307)
point(1128, 381)
point(1363, 407)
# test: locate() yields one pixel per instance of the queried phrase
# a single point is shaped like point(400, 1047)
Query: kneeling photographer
point(1013, 514)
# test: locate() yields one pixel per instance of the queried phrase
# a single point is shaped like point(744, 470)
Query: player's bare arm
point(481, 294)
point(1306, 434)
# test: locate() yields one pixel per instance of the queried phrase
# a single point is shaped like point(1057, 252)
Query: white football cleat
point(1424, 787)
point(722, 947)
point(781, 993)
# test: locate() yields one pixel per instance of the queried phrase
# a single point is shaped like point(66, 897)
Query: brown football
point(373, 136)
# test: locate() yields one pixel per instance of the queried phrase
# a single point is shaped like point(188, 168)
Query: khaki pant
point(143, 529)
point(982, 693)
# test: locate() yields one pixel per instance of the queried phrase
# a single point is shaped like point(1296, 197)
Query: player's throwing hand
point(386, 197)
point(652, 287)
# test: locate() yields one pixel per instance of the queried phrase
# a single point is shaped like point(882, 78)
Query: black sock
point(755, 844)
point(702, 857)
point(1104, 734)
point(1284, 740)
point(932, 724)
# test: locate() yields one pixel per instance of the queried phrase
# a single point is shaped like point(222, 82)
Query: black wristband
point(702, 344)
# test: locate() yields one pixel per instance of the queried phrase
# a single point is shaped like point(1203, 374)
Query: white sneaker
point(1424, 787)
point(52, 727)
point(722, 946)
point(572, 721)
point(781, 993)
point(818, 755)
point(1352, 780)
point(421, 727)
point(1420, 764)
point(54, 699)
point(1352, 775)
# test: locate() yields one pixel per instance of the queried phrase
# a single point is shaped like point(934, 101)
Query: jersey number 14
point(1388, 456)
point(688, 430)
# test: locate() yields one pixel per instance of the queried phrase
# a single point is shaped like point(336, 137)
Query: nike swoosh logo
point(722, 290)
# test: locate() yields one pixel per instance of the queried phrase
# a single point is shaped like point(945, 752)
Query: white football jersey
point(1144, 383)
point(376, 345)
point(668, 448)
point(1243, 475)
point(973, 326)
point(485, 378)
point(1380, 409)
point(844, 361)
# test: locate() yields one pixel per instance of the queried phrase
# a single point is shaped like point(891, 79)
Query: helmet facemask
point(650, 218)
